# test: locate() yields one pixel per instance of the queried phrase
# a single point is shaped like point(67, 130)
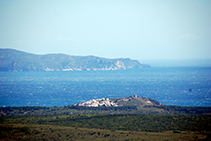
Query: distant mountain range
point(14, 60)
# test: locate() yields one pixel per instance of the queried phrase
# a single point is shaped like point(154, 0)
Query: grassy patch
point(44, 132)
point(148, 123)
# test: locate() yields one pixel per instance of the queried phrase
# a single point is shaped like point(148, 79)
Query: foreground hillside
point(13, 60)
point(55, 133)
point(106, 127)
point(129, 118)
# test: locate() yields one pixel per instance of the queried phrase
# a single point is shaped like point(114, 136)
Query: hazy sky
point(138, 29)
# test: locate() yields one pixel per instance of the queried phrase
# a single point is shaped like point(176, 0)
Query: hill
point(127, 105)
point(118, 102)
point(14, 60)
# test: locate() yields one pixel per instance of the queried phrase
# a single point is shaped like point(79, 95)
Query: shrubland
point(135, 119)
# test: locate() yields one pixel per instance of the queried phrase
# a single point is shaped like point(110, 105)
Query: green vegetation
point(134, 120)
point(69, 110)
point(148, 123)
point(106, 127)
point(52, 133)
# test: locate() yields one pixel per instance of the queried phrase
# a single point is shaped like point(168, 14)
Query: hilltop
point(126, 105)
point(118, 102)
point(14, 60)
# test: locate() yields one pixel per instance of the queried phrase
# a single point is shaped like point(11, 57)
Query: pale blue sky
point(138, 29)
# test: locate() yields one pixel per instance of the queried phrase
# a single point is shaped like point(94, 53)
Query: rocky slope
point(13, 60)
point(116, 102)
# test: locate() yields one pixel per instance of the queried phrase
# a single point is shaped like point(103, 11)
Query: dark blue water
point(171, 86)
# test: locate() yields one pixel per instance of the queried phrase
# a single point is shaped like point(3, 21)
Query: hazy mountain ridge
point(14, 60)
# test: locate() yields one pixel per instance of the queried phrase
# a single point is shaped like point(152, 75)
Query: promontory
point(14, 60)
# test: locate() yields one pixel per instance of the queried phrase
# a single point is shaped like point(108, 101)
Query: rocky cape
point(118, 102)
point(125, 105)
point(14, 60)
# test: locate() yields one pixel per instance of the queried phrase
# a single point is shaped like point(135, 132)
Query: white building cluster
point(97, 102)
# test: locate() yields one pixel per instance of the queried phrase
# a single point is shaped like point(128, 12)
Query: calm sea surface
point(181, 86)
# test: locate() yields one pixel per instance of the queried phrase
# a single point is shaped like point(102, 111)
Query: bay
point(181, 86)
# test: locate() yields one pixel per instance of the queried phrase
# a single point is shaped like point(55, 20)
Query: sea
point(180, 86)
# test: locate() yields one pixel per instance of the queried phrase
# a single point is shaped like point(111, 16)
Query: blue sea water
point(181, 86)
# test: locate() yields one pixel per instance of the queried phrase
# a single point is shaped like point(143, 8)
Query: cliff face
point(13, 60)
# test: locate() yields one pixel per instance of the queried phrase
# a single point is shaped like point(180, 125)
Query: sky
point(138, 29)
